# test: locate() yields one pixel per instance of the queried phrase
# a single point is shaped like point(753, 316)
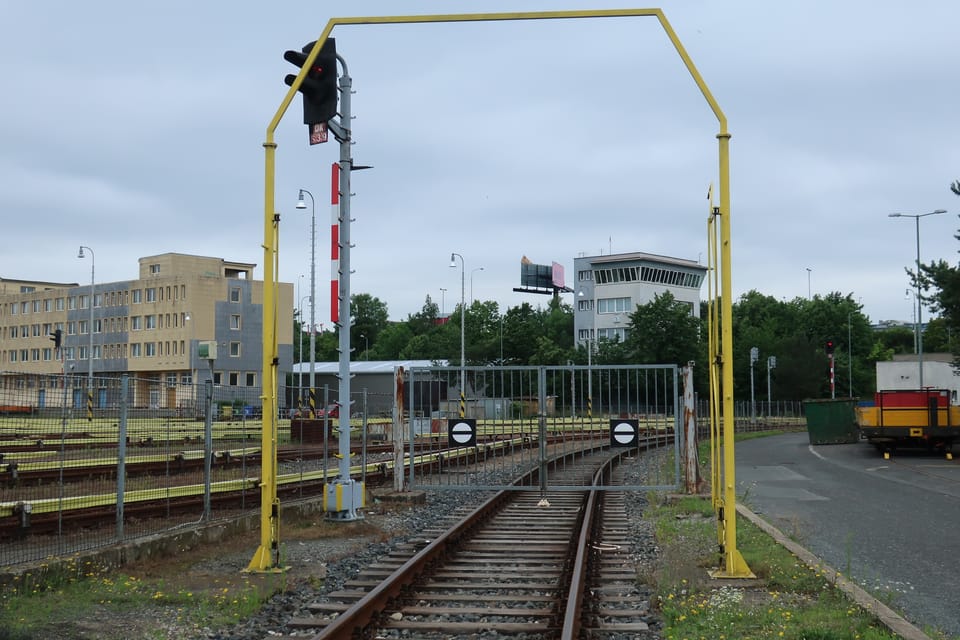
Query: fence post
point(122, 453)
point(207, 447)
point(397, 430)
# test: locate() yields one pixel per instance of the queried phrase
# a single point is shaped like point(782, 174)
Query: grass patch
point(38, 603)
point(787, 600)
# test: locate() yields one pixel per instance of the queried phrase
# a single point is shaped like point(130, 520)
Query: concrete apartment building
point(149, 328)
point(608, 289)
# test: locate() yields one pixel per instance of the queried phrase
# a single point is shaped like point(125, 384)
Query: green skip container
point(832, 421)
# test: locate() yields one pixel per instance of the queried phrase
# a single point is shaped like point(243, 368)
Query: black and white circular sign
point(462, 432)
point(623, 432)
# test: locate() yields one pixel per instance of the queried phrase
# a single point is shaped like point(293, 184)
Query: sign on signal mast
point(318, 133)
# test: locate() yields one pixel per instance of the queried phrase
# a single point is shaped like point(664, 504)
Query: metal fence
point(148, 455)
point(523, 416)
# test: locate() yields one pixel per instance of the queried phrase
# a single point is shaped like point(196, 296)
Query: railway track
point(529, 564)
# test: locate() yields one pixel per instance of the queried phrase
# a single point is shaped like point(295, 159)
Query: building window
point(234, 294)
point(234, 349)
point(137, 296)
point(84, 302)
point(84, 327)
point(251, 379)
point(585, 275)
point(24, 308)
point(35, 355)
point(135, 323)
point(616, 334)
point(171, 380)
point(235, 322)
point(98, 325)
point(154, 269)
point(234, 379)
point(217, 378)
point(585, 305)
point(135, 350)
point(151, 322)
point(98, 300)
point(151, 295)
point(72, 328)
point(186, 378)
point(96, 352)
point(36, 330)
point(151, 349)
point(47, 354)
point(68, 353)
point(14, 331)
point(59, 304)
point(47, 304)
point(36, 306)
point(613, 305)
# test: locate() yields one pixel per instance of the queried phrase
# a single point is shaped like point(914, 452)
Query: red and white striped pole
point(335, 243)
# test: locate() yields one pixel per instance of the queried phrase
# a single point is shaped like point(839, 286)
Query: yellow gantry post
point(734, 565)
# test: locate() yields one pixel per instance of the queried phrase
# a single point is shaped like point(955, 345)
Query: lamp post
point(917, 329)
point(472, 271)
point(443, 296)
point(366, 347)
point(313, 288)
point(463, 322)
point(808, 283)
point(89, 332)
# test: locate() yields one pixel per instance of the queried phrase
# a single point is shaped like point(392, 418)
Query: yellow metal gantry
point(265, 558)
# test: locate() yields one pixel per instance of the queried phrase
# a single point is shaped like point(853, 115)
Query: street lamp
point(472, 271)
point(313, 286)
point(366, 347)
point(808, 283)
point(463, 318)
point(917, 330)
point(89, 330)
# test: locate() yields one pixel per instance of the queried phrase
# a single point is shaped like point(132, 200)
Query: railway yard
point(518, 571)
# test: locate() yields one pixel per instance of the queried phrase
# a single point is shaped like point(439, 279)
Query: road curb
point(887, 616)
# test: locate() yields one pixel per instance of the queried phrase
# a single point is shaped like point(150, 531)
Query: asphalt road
point(893, 526)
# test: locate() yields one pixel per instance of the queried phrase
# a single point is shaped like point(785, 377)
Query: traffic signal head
point(57, 337)
point(319, 87)
point(829, 347)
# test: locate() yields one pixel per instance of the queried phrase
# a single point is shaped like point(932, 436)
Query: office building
point(608, 289)
point(149, 328)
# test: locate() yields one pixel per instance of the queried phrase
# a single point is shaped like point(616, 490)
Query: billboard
point(541, 278)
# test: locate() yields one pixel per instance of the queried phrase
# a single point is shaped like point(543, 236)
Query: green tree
point(368, 317)
point(663, 332)
point(942, 281)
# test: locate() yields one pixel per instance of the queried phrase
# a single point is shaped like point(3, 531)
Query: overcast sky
point(136, 128)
